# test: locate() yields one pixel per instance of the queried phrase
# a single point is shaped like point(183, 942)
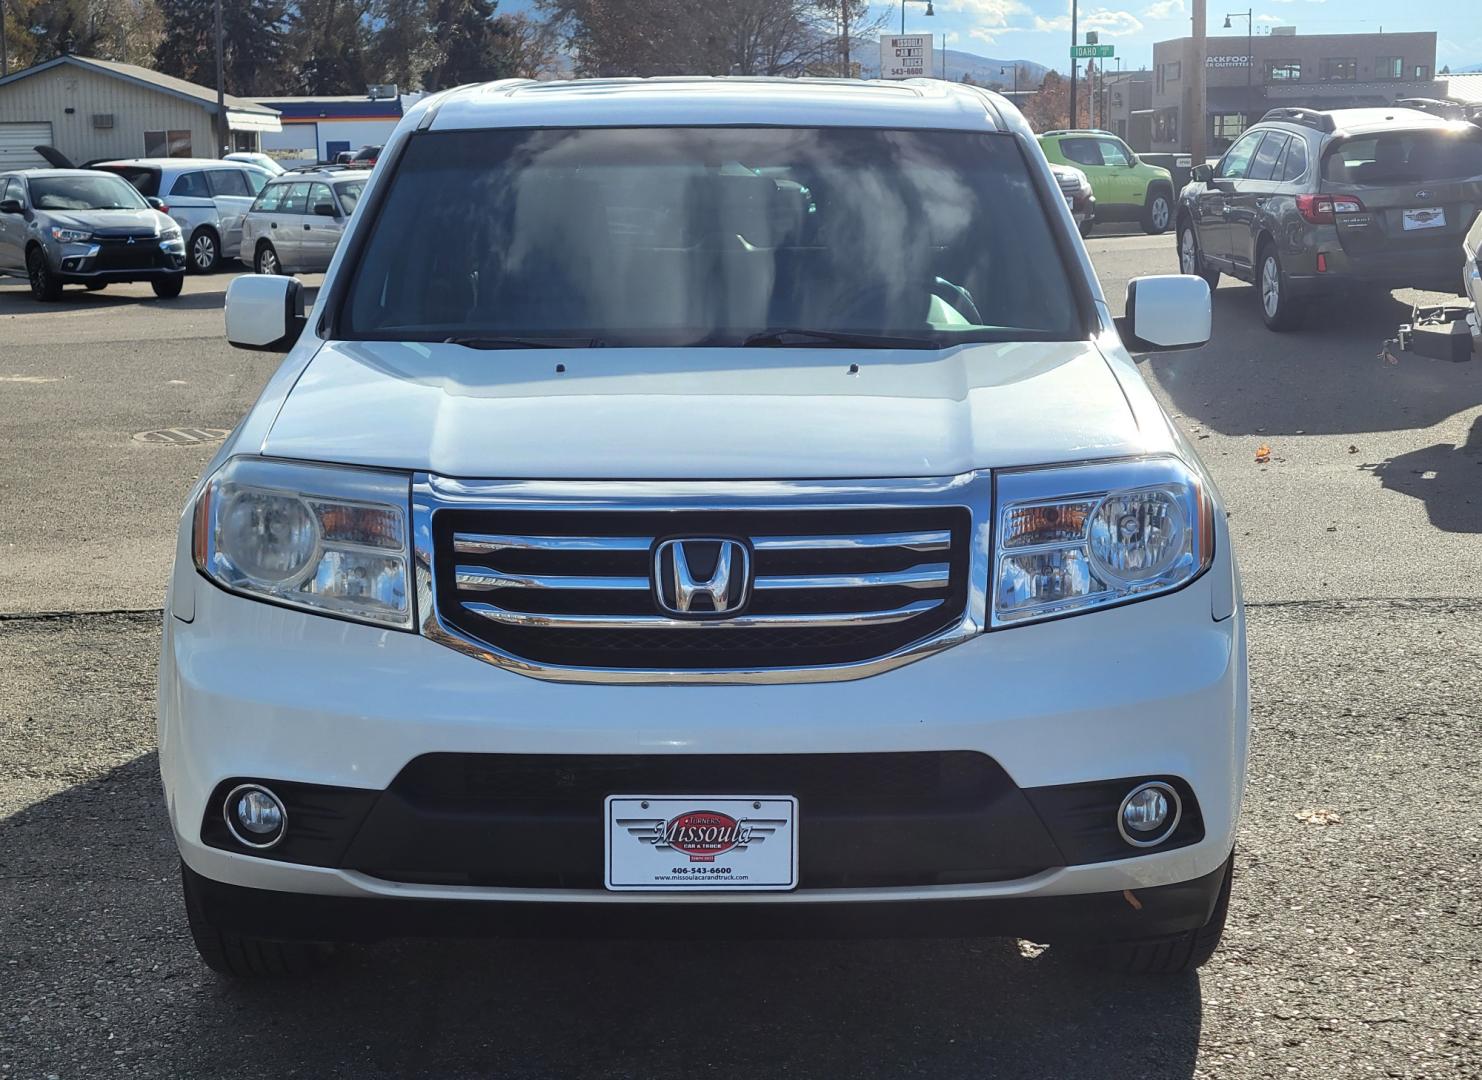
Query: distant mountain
point(1471, 69)
point(985, 70)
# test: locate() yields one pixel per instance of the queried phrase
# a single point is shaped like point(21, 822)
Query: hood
point(703, 413)
point(122, 222)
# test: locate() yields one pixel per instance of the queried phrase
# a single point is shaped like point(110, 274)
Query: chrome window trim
point(971, 490)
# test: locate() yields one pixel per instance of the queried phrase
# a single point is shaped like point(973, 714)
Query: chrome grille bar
point(910, 541)
point(535, 620)
point(489, 543)
point(930, 576)
point(482, 578)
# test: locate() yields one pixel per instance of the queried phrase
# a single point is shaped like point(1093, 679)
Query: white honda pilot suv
point(713, 505)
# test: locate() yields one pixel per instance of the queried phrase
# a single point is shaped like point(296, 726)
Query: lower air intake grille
point(808, 587)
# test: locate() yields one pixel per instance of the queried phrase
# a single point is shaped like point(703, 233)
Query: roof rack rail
point(1306, 117)
point(325, 166)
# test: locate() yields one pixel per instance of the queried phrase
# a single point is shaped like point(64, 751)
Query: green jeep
point(1125, 188)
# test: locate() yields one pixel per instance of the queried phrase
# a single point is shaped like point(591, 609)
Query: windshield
point(146, 180)
point(84, 193)
point(711, 236)
point(1405, 157)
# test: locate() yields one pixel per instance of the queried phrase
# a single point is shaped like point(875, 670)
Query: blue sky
point(1039, 30)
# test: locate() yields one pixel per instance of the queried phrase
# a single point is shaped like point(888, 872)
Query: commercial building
point(1245, 76)
point(91, 109)
point(1126, 107)
point(318, 128)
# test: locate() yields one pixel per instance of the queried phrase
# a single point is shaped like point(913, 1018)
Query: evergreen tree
point(472, 44)
point(254, 36)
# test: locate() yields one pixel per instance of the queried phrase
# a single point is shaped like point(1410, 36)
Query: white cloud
point(1112, 23)
point(1270, 18)
point(1299, 1)
point(989, 17)
point(1166, 9)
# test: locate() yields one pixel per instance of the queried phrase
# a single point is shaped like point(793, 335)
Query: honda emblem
point(702, 576)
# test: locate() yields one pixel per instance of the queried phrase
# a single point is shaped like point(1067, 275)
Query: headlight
point(70, 236)
point(310, 536)
point(1086, 536)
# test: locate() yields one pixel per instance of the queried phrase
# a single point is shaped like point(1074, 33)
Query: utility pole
point(4, 53)
point(220, 90)
point(1195, 123)
point(845, 70)
point(1074, 63)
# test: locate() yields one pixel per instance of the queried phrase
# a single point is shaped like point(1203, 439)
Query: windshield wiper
point(524, 342)
point(785, 337)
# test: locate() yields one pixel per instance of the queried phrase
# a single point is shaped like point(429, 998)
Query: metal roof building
point(317, 128)
point(90, 109)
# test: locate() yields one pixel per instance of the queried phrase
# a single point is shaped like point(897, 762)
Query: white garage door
point(16, 141)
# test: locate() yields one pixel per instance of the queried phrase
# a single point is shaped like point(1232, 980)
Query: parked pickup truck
point(707, 506)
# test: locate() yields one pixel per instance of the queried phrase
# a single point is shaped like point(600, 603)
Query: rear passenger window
point(1296, 161)
point(255, 180)
point(1237, 159)
point(191, 185)
point(1082, 151)
point(228, 182)
point(271, 196)
point(296, 201)
point(1263, 165)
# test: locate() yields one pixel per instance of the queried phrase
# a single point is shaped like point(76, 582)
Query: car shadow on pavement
point(1446, 477)
point(95, 933)
point(1326, 378)
point(21, 303)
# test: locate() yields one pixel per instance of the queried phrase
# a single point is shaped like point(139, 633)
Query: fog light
point(255, 816)
point(1149, 814)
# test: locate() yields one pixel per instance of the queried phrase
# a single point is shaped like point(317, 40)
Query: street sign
point(1082, 52)
point(906, 56)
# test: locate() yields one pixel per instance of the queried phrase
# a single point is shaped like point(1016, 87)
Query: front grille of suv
point(574, 588)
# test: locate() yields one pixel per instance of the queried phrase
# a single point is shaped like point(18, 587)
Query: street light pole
point(1074, 63)
point(929, 11)
point(1250, 60)
point(4, 52)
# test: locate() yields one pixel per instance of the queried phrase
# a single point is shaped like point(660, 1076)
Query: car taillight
point(162, 208)
point(1320, 209)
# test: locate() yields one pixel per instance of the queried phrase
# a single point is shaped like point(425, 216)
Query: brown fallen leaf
point(1319, 817)
point(1263, 454)
point(1352, 449)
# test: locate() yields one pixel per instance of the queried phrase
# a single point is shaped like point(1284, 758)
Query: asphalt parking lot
point(1355, 940)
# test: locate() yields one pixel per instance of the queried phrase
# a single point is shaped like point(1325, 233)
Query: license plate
point(1431, 217)
point(700, 843)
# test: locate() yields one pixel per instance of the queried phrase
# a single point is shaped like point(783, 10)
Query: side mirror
point(1202, 173)
point(1164, 313)
point(265, 312)
point(10, 206)
point(157, 204)
point(325, 209)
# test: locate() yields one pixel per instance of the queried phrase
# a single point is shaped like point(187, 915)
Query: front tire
point(1191, 258)
point(1280, 310)
point(167, 288)
point(243, 957)
point(1085, 227)
point(204, 251)
point(1176, 955)
point(45, 285)
point(1157, 211)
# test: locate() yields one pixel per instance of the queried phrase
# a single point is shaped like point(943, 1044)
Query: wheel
point(267, 260)
point(167, 288)
point(1191, 259)
point(1279, 308)
point(1086, 226)
point(244, 957)
point(205, 251)
point(96, 286)
point(1157, 212)
point(45, 286)
point(1174, 955)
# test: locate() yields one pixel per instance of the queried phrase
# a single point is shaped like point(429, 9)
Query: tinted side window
point(271, 196)
point(1112, 153)
point(296, 201)
point(228, 182)
point(255, 180)
point(349, 194)
point(1263, 165)
point(1296, 160)
point(1082, 151)
point(191, 185)
point(1237, 158)
point(146, 180)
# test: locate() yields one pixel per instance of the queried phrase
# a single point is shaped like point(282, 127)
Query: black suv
point(1309, 202)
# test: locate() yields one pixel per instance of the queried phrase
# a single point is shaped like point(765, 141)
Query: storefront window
point(1283, 71)
point(1227, 126)
point(167, 144)
point(1165, 126)
point(1339, 69)
point(1389, 67)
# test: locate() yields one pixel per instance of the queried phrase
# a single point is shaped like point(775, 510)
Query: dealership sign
point(905, 56)
point(1224, 61)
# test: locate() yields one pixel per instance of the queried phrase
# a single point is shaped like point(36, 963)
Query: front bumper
point(111, 261)
point(1156, 688)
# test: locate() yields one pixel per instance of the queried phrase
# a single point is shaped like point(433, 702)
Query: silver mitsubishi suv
point(77, 227)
